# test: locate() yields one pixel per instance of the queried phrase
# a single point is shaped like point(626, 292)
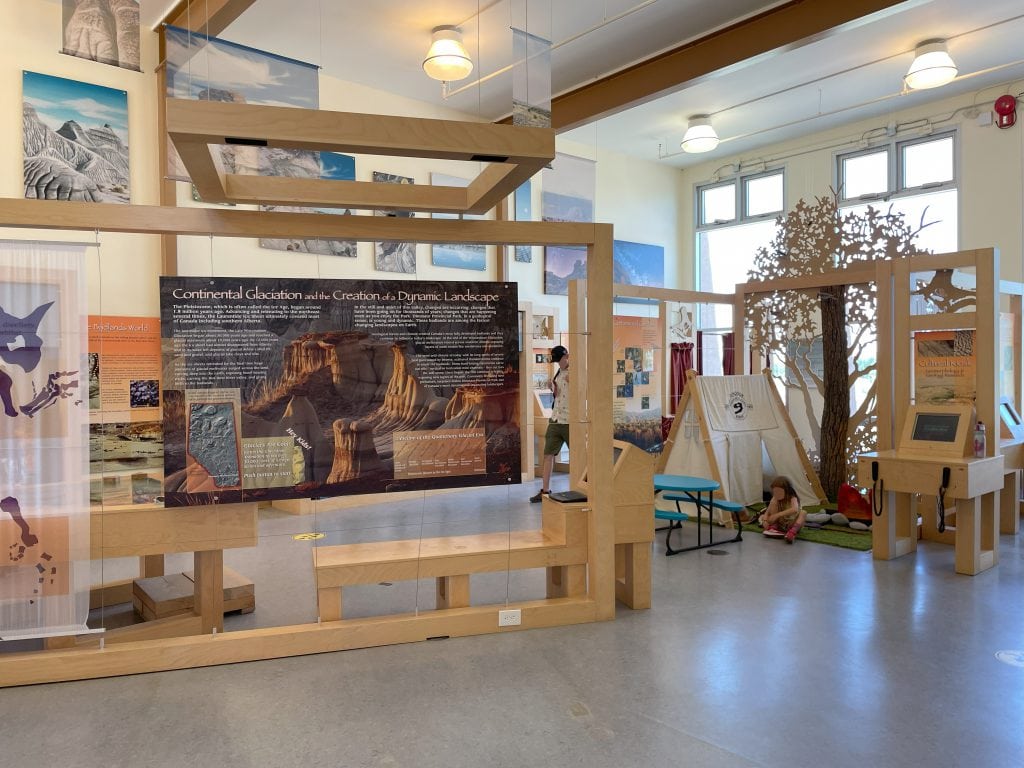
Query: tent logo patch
point(738, 405)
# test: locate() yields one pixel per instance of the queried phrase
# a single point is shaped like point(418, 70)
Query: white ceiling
point(854, 74)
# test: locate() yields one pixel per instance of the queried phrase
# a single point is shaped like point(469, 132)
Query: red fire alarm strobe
point(1006, 111)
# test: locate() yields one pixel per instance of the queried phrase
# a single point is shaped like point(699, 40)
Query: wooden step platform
point(560, 546)
point(160, 597)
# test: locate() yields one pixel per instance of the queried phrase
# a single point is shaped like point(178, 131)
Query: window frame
point(894, 149)
point(740, 182)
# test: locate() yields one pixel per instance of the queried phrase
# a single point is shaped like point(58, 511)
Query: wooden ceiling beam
point(786, 26)
point(209, 17)
point(225, 222)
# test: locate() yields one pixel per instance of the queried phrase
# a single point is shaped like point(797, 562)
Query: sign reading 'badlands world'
point(285, 389)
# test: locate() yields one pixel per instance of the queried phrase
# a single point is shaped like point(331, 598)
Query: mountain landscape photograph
point(75, 139)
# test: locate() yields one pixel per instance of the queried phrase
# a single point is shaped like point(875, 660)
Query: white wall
point(991, 166)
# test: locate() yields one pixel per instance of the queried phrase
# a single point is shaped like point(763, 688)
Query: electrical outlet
point(510, 618)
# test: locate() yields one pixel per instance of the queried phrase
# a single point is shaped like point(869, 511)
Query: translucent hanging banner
point(531, 51)
point(211, 69)
point(44, 454)
point(106, 31)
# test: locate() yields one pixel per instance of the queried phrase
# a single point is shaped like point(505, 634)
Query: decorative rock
point(838, 518)
point(857, 525)
point(818, 517)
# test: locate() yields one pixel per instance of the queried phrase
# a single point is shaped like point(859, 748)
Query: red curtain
point(682, 361)
point(728, 355)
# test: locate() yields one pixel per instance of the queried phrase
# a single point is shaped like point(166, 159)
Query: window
point(916, 177)
point(735, 218)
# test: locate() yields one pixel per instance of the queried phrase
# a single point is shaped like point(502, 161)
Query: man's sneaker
point(535, 499)
point(791, 535)
point(774, 532)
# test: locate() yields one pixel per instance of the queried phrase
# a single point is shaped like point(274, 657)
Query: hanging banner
point(531, 72)
point(287, 389)
point(638, 347)
point(106, 31)
point(211, 69)
point(44, 501)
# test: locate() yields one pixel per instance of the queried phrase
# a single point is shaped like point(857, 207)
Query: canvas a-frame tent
point(734, 429)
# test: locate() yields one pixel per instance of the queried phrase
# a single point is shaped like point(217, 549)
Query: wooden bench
point(560, 546)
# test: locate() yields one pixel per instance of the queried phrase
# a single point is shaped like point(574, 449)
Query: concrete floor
point(771, 655)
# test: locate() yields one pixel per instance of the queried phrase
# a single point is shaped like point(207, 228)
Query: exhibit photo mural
point(333, 166)
point(75, 140)
point(307, 388)
point(456, 255)
point(636, 407)
point(106, 31)
point(523, 207)
point(390, 256)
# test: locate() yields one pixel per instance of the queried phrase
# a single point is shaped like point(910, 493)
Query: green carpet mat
point(833, 535)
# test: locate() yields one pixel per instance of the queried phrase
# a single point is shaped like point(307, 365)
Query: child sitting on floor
point(783, 516)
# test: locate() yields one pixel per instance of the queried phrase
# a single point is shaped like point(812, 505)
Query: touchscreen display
point(936, 427)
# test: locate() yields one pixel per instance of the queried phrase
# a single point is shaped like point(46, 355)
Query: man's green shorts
point(556, 435)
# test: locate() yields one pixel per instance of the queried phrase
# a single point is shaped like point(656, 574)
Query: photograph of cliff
point(330, 165)
point(344, 387)
point(390, 256)
point(75, 139)
point(106, 31)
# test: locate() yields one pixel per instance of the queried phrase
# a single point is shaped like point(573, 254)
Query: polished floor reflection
point(769, 655)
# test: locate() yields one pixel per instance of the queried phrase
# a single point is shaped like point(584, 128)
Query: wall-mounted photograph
point(75, 139)
point(332, 166)
point(456, 255)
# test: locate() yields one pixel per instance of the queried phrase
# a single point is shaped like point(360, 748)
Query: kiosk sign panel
point(286, 389)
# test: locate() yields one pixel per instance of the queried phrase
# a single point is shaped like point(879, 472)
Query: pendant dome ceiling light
point(932, 67)
point(700, 136)
point(447, 60)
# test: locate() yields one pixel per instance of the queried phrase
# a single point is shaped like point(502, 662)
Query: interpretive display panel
point(286, 389)
point(125, 437)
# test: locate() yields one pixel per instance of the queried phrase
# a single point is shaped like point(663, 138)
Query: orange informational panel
point(944, 367)
point(126, 451)
point(636, 404)
point(124, 368)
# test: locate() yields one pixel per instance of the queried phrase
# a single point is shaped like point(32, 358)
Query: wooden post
point(599, 372)
point(209, 606)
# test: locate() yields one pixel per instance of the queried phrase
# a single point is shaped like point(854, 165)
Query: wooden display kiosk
point(935, 458)
point(934, 455)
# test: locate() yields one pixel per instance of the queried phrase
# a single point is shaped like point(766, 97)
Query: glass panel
point(935, 215)
point(763, 195)
point(726, 255)
point(927, 162)
point(942, 291)
point(718, 203)
point(866, 174)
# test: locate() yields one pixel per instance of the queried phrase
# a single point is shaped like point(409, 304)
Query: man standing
point(557, 432)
